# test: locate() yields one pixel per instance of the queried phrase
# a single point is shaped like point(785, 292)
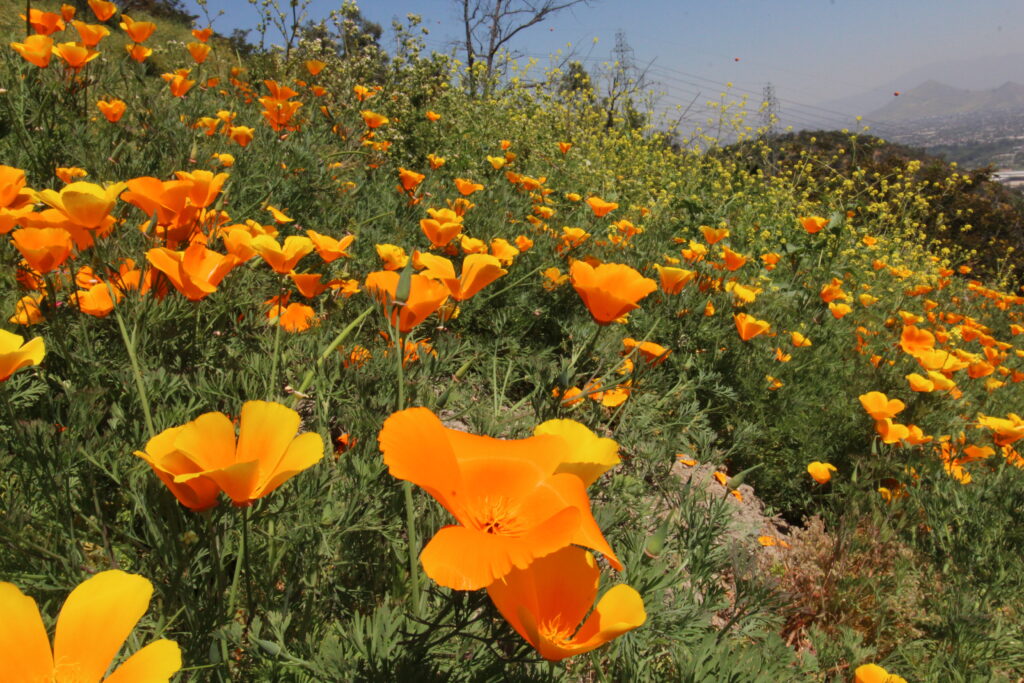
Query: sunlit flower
point(91, 34)
point(102, 9)
point(432, 116)
point(198, 460)
point(68, 174)
point(478, 271)
point(282, 258)
point(16, 353)
point(821, 472)
point(749, 327)
point(202, 34)
point(112, 110)
point(872, 673)
point(392, 256)
point(329, 248)
point(138, 31)
point(409, 180)
point(600, 207)
point(546, 602)
point(425, 297)
point(510, 505)
point(294, 317)
point(195, 272)
point(812, 224)
point(879, 406)
point(75, 55)
point(93, 624)
point(37, 49)
point(611, 290)
point(44, 249)
point(372, 119)
point(467, 187)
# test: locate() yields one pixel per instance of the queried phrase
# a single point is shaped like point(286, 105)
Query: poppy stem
point(326, 353)
point(140, 385)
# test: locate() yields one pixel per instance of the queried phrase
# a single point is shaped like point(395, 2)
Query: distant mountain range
point(983, 73)
point(932, 99)
point(970, 111)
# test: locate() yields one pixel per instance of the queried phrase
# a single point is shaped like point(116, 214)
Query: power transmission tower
point(769, 110)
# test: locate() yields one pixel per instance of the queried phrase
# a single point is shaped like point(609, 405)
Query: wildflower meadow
point(328, 365)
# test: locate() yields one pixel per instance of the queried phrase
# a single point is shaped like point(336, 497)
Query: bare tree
point(490, 25)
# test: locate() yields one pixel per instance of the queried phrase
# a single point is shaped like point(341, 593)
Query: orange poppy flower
point(600, 207)
point(37, 49)
point(546, 601)
point(112, 110)
point(392, 256)
point(435, 161)
point(673, 280)
point(68, 174)
point(749, 327)
point(138, 31)
point(609, 291)
point(282, 258)
point(44, 249)
point(85, 204)
point(467, 187)
point(442, 226)
point(653, 354)
point(178, 82)
point(203, 457)
point(241, 134)
point(44, 23)
point(733, 260)
point(195, 272)
point(839, 310)
point(15, 353)
point(139, 53)
point(432, 116)
point(294, 317)
point(879, 406)
point(713, 235)
point(93, 624)
point(202, 34)
point(872, 673)
point(409, 180)
point(914, 340)
point(812, 224)
point(91, 34)
point(510, 505)
point(329, 248)
point(503, 250)
point(891, 432)
point(564, 147)
point(102, 9)
point(373, 119)
point(425, 297)
point(75, 55)
point(821, 472)
point(199, 51)
point(314, 66)
point(478, 271)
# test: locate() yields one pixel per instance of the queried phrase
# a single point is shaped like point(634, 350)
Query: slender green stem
point(140, 385)
point(247, 568)
point(271, 388)
point(328, 350)
point(410, 508)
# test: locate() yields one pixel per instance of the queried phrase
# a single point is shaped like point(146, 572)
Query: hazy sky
point(812, 51)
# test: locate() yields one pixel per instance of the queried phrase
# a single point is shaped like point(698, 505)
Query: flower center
point(498, 516)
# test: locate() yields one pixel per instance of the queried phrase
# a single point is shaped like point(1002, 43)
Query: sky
point(813, 52)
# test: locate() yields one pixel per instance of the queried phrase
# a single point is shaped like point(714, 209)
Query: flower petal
point(155, 663)
point(95, 621)
point(416, 448)
point(24, 645)
point(303, 452)
point(467, 559)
